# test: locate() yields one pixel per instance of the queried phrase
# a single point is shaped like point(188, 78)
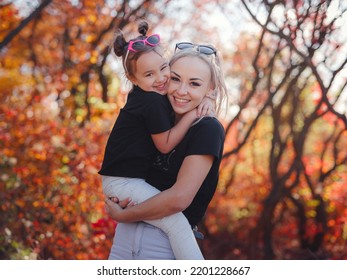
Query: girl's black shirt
point(204, 138)
point(130, 150)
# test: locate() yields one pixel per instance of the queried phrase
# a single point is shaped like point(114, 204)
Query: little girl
point(143, 127)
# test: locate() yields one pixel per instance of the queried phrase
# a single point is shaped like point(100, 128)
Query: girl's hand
point(207, 107)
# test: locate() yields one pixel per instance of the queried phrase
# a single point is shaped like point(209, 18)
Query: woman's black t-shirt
point(130, 150)
point(204, 138)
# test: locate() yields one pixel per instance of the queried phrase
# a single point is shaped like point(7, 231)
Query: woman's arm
point(192, 173)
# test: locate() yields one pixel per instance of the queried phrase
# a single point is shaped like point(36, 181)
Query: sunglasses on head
point(208, 50)
point(136, 45)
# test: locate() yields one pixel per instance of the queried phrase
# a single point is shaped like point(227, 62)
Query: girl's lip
point(162, 86)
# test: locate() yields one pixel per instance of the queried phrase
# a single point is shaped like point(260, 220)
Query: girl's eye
point(164, 67)
point(149, 75)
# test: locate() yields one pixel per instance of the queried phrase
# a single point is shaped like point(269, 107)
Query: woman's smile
point(181, 100)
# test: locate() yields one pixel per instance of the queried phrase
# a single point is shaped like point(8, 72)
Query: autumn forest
point(282, 192)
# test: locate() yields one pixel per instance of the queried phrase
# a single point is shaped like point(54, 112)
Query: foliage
point(60, 95)
point(50, 154)
point(290, 110)
point(53, 208)
point(238, 205)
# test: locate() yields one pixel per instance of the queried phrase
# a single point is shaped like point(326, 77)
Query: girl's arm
point(169, 139)
point(192, 173)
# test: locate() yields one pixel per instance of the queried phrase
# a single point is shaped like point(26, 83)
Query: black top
point(204, 138)
point(130, 150)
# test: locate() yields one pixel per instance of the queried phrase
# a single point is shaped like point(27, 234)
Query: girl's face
point(190, 81)
point(151, 73)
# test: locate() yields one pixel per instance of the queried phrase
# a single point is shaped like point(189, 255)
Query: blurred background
point(282, 192)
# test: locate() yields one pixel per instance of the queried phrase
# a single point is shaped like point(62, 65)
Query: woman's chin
point(180, 110)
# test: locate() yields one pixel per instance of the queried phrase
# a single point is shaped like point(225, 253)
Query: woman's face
point(190, 81)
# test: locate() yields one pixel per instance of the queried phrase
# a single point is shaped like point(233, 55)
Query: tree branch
point(8, 38)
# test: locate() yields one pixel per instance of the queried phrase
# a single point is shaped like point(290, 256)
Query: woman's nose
point(182, 89)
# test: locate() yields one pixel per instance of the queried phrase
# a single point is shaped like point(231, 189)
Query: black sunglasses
point(208, 50)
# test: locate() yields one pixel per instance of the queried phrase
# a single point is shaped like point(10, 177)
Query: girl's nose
point(160, 78)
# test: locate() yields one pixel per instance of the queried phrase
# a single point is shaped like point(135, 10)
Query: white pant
point(176, 226)
point(140, 241)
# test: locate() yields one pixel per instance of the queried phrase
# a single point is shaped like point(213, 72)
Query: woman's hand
point(193, 172)
point(114, 207)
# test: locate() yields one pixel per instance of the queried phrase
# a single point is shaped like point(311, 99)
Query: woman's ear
point(212, 94)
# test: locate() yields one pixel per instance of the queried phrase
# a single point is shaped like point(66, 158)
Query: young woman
point(145, 125)
point(188, 175)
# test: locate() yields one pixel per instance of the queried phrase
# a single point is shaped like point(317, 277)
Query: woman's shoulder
point(207, 122)
point(208, 127)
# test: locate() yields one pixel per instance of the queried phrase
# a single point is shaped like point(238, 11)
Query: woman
point(143, 127)
point(188, 175)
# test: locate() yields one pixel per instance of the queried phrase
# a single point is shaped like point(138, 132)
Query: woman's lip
point(180, 100)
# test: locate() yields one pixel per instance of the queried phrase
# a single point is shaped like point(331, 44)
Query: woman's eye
point(195, 84)
point(174, 79)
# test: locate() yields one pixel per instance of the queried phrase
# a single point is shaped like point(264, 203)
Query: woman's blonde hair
point(217, 77)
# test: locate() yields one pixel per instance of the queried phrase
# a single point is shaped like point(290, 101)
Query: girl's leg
point(176, 226)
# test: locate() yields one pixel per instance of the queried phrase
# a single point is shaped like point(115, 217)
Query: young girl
point(144, 126)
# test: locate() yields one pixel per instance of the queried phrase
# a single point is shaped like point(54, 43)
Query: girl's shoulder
point(152, 94)
point(147, 97)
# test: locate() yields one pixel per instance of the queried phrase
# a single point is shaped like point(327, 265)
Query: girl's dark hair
point(120, 46)
point(143, 28)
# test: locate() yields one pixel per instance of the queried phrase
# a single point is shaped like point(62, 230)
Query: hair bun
point(143, 28)
point(119, 44)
